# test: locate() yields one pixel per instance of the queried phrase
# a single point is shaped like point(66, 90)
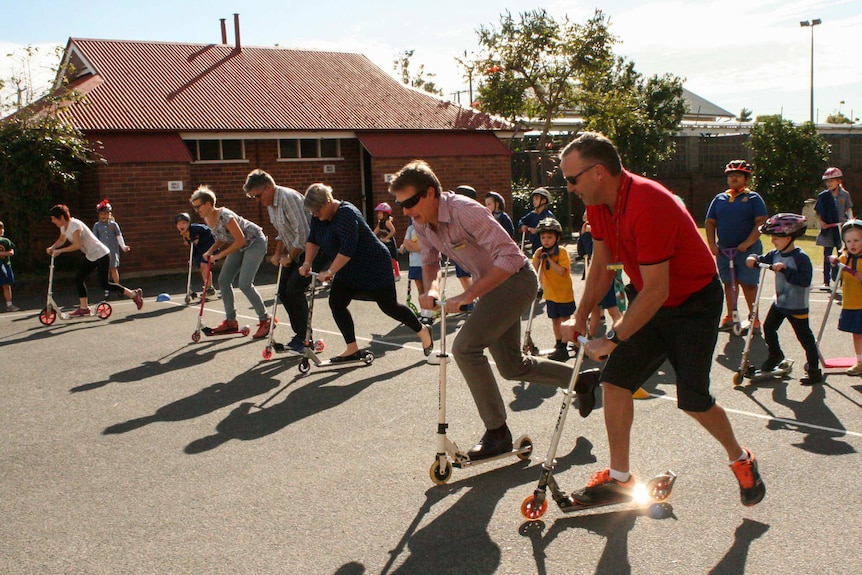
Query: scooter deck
point(240, 331)
point(523, 449)
point(784, 369)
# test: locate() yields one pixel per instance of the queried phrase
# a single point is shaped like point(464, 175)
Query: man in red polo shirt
point(641, 226)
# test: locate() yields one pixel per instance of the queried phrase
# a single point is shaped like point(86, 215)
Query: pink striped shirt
point(470, 236)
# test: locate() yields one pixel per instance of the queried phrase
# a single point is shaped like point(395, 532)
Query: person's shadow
point(258, 380)
point(813, 408)
point(246, 424)
point(194, 355)
point(733, 562)
point(462, 530)
point(731, 355)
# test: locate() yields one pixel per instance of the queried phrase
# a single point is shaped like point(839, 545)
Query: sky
point(734, 53)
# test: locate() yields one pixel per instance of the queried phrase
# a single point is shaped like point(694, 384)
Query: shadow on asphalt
point(246, 424)
point(820, 440)
point(462, 529)
point(733, 562)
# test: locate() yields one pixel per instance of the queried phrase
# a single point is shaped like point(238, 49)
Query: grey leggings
point(245, 265)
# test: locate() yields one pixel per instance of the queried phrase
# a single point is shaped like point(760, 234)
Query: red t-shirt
point(651, 226)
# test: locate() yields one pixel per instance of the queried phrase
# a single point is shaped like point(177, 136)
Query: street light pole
point(811, 24)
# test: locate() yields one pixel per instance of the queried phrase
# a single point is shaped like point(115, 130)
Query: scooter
point(449, 456)
point(190, 295)
point(738, 325)
point(309, 354)
point(208, 331)
point(49, 313)
point(746, 369)
point(271, 346)
point(530, 348)
point(834, 362)
point(534, 506)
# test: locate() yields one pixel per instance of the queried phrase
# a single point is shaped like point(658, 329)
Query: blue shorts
point(744, 274)
point(461, 272)
point(414, 273)
point(610, 299)
point(850, 320)
point(556, 310)
point(7, 277)
point(685, 336)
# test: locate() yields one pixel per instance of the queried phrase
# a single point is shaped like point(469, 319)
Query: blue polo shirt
point(734, 216)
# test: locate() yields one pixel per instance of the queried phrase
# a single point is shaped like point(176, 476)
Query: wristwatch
point(612, 335)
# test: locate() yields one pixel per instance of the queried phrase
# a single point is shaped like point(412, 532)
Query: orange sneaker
point(263, 328)
point(757, 328)
point(726, 324)
point(602, 489)
point(227, 326)
point(751, 487)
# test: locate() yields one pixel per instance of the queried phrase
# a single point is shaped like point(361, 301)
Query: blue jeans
point(243, 264)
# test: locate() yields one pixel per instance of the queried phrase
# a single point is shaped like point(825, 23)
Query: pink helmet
point(785, 225)
point(103, 206)
point(384, 207)
point(832, 173)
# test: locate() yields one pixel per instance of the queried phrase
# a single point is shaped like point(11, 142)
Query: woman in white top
point(97, 256)
point(242, 245)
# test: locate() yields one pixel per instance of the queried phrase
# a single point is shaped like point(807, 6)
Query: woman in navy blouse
point(361, 266)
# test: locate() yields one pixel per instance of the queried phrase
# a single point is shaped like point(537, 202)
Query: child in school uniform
point(7, 278)
point(850, 320)
point(554, 267)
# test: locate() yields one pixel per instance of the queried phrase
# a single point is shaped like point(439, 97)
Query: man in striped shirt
point(504, 284)
point(292, 222)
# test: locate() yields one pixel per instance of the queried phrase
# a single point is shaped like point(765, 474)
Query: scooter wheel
point(737, 379)
point(245, 330)
point(48, 316)
point(187, 299)
point(104, 310)
point(440, 473)
point(196, 336)
point(659, 488)
point(304, 366)
point(524, 448)
point(531, 509)
point(267, 352)
point(319, 346)
point(368, 358)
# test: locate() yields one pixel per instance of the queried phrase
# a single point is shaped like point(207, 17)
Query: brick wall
point(145, 208)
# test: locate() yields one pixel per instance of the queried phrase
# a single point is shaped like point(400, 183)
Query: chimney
point(223, 31)
point(236, 29)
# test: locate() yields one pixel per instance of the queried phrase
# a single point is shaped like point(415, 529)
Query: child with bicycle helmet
point(385, 231)
point(850, 319)
point(793, 274)
point(496, 204)
point(108, 231)
point(833, 208)
point(554, 267)
point(540, 199)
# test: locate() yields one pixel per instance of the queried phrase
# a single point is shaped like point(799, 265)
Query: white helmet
point(832, 173)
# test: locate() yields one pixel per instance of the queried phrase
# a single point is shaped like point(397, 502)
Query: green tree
point(744, 115)
point(534, 64)
point(41, 155)
point(640, 115)
point(838, 118)
point(416, 79)
point(788, 161)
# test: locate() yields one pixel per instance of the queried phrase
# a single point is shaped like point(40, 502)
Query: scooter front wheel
point(196, 336)
point(531, 509)
point(304, 366)
point(267, 352)
point(440, 472)
point(737, 379)
point(48, 316)
point(104, 310)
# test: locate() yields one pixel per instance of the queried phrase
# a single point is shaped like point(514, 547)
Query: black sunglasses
point(574, 179)
point(411, 201)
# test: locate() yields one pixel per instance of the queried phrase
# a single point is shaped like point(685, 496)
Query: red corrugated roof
point(431, 144)
point(133, 148)
point(157, 86)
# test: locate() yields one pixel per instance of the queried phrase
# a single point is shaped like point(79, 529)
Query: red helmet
point(384, 207)
point(738, 166)
point(832, 173)
point(785, 225)
point(103, 206)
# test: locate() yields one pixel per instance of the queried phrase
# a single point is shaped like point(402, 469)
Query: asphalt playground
point(127, 448)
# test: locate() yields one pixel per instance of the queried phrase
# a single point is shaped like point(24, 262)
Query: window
point(216, 150)
point(309, 149)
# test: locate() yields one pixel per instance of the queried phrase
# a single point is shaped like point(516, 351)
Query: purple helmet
point(785, 225)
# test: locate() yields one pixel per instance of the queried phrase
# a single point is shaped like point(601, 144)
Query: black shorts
point(684, 335)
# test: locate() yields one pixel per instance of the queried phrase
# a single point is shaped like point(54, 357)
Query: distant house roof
point(159, 86)
point(700, 108)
